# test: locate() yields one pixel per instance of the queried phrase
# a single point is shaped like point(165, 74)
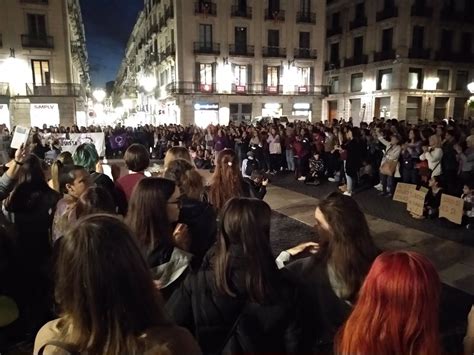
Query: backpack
point(252, 164)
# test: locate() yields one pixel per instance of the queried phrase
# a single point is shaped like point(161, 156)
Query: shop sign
point(206, 107)
point(41, 114)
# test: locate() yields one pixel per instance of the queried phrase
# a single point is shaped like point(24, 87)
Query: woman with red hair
point(397, 309)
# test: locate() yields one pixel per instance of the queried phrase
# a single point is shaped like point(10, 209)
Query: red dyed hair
point(397, 309)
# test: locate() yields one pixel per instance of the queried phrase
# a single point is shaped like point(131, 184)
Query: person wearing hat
point(249, 165)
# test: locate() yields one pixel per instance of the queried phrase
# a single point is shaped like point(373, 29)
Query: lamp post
point(99, 95)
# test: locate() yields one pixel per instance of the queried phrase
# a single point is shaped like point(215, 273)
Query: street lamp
point(99, 95)
point(148, 82)
point(470, 87)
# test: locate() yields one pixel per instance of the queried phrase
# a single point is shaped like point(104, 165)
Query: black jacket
point(324, 312)
point(201, 220)
point(210, 315)
point(254, 190)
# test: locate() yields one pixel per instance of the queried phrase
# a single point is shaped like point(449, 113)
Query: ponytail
point(55, 171)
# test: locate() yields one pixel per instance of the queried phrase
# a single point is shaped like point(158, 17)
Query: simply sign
point(47, 114)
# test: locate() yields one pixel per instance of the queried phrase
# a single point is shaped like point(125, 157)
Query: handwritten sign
point(416, 202)
point(401, 192)
point(451, 208)
point(424, 189)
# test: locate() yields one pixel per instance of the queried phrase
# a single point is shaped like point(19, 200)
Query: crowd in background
point(172, 264)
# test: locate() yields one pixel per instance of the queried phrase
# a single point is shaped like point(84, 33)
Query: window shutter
point(265, 74)
point(311, 77)
point(249, 75)
point(214, 79)
point(197, 76)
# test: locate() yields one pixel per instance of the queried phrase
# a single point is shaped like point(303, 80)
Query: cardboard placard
point(451, 208)
point(424, 189)
point(401, 192)
point(416, 202)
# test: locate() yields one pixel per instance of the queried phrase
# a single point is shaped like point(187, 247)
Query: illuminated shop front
point(272, 110)
point(44, 114)
point(206, 114)
point(5, 115)
point(302, 111)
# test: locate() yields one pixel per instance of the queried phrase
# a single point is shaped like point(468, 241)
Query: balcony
point(357, 23)
point(419, 53)
point(155, 29)
point(449, 56)
point(333, 31)
point(267, 89)
point(75, 90)
point(387, 13)
point(35, 41)
point(38, 2)
point(384, 55)
point(240, 50)
point(240, 89)
point(170, 50)
point(449, 14)
point(275, 52)
point(169, 13)
point(421, 11)
point(359, 60)
point(207, 48)
point(237, 11)
point(306, 17)
point(332, 65)
point(206, 8)
point(305, 53)
point(190, 87)
point(276, 15)
point(4, 89)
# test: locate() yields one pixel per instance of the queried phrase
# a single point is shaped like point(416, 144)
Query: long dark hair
point(105, 289)
point(227, 179)
point(349, 248)
point(95, 199)
point(147, 212)
point(246, 223)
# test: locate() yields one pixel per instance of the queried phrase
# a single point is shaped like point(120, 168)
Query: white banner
point(76, 139)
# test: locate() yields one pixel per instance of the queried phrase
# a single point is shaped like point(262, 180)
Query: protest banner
point(416, 202)
point(401, 192)
point(451, 208)
point(76, 139)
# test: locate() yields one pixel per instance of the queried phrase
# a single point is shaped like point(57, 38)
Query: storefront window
point(206, 74)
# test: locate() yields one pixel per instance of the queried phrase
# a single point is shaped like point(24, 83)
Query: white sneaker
point(378, 187)
point(347, 193)
point(331, 179)
point(302, 178)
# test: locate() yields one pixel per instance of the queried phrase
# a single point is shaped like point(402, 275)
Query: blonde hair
point(65, 158)
point(186, 177)
point(177, 153)
point(435, 141)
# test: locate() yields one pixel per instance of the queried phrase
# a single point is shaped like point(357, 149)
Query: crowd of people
point(171, 264)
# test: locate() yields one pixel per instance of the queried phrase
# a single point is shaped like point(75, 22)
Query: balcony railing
point(334, 31)
point(192, 87)
point(34, 41)
point(170, 50)
point(277, 52)
point(421, 11)
point(306, 17)
point(450, 14)
point(387, 13)
point(419, 53)
point(450, 56)
point(358, 22)
point(169, 13)
point(239, 50)
point(205, 8)
point(306, 53)
point(237, 11)
point(40, 2)
point(207, 48)
point(384, 55)
point(332, 65)
point(277, 15)
point(359, 60)
point(4, 89)
point(75, 90)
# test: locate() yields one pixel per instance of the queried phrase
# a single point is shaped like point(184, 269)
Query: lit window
point(304, 76)
point(272, 76)
point(240, 75)
point(206, 74)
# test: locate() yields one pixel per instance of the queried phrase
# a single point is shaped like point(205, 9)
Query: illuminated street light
point(148, 82)
point(470, 87)
point(99, 95)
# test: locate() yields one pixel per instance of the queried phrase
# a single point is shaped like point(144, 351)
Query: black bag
point(252, 164)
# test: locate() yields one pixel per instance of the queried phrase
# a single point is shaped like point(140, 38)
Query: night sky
point(108, 25)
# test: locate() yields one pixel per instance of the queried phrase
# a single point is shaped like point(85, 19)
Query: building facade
point(44, 71)
point(211, 61)
point(405, 59)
